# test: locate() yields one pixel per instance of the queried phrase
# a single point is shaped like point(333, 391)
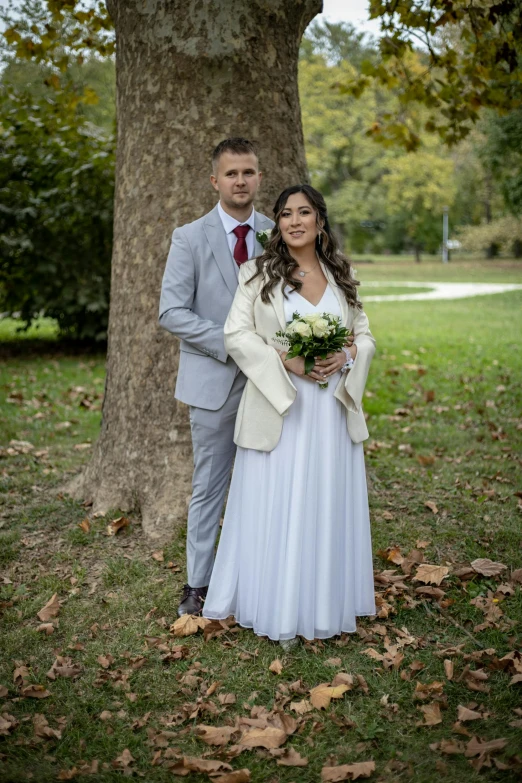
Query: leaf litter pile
point(99, 680)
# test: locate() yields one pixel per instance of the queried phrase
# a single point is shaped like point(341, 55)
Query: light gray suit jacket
point(198, 288)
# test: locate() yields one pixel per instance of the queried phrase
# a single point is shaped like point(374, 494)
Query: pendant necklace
point(301, 273)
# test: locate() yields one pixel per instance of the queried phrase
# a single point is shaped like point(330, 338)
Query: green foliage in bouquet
point(313, 336)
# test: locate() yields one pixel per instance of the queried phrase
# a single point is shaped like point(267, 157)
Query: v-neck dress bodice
point(295, 555)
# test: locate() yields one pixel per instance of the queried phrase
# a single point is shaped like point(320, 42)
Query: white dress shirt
point(230, 223)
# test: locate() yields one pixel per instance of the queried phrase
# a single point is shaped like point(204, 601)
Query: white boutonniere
point(263, 236)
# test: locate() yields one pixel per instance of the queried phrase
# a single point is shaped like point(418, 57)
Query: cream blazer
point(269, 392)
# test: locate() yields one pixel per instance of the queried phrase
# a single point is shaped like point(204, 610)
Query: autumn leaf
point(321, 695)
point(432, 506)
point(342, 678)
point(47, 628)
point(35, 692)
point(362, 769)
point(301, 707)
point(7, 723)
point(50, 610)
point(85, 525)
point(124, 760)
point(464, 714)
point(158, 556)
point(448, 669)
point(432, 714)
point(432, 574)
point(188, 624)
point(268, 737)
point(215, 735)
point(227, 698)
point(288, 757)
point(237, 776)
point(426, 690)
point(64, 667)
point(42, 728)
point(105, 660)
point(429, 459)
point(487, 567)
point(116, 525)
point(432, 592)
point(276, 667)
point(477, 748)
point(3, 691)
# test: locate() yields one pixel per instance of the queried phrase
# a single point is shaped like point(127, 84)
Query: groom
point(198, 287)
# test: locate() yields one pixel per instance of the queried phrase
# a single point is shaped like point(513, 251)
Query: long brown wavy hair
point(277, 264)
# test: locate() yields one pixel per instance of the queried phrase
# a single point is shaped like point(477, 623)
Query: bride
point(294, 558)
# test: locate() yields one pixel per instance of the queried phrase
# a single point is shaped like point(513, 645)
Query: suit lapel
point(278, 303)
point(217, 240)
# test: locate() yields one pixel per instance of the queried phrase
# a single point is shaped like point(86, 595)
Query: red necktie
point(241, 250)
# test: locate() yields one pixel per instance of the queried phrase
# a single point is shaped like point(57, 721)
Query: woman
point(295, 551)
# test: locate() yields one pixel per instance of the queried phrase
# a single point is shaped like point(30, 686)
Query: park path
point(438, 290)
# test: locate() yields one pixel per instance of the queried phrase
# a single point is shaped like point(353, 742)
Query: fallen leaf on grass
point(35, 692)
point(216, 735)
point(227, 698)
point(158, 556)
point(362, 769)
point(47, 628)
point(432, 574)
point(429, 459)
point(193, 764)
point(269, 737)
point(321, 695)
point(463, 714)
point(487, 567)
point(432, 506)
point(333, 661)
point(432, 714)
point(188, 624)
point(3, 691)
point(42, 728)
point(301, 707)
point(432, 592)
point(124, 760)
point(276, 667)
point(515, 679)
point(237, 776)
point(476, 747)
point(426, 690)
point(7, 723)
point(288, 757)
point(64, 667)
point(342, 678)
point(448, 668)
point(50, 610)
point(116, 525)
point(85, 525)
point(105, 660)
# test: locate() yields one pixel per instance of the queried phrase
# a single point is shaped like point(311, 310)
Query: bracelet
point(349, 361)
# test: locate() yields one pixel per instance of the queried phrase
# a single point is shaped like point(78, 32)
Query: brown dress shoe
point(192, 600)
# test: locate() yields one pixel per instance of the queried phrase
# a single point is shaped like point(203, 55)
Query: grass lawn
point(445, 415)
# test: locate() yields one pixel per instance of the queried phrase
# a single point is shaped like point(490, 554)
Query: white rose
point(311, 318)
point(320, 327)
point(302, 329)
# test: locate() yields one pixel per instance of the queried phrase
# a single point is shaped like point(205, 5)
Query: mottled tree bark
point(189, 73)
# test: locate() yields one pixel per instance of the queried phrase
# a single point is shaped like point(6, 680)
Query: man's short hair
point(236, 145)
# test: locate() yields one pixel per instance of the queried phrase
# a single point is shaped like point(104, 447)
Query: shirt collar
point(230, 223)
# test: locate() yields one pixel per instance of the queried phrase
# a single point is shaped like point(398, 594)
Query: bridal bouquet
point(313, 336)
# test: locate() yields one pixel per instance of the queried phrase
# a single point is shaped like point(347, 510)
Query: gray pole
point(445, 235)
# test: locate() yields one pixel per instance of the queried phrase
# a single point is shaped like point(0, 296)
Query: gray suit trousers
point(214, 451)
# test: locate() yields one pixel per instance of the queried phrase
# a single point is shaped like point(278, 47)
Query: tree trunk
point(189, 74)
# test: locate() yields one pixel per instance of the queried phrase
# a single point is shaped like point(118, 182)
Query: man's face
point(237, 179)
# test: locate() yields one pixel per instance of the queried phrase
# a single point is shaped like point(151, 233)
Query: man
point(198, 287)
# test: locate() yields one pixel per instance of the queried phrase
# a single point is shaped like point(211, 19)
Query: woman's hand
point(334, 361)
point(297, 366)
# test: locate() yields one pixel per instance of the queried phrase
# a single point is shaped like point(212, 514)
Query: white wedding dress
point(295, 555)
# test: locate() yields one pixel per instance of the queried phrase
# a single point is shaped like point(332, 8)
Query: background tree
point(182, 86)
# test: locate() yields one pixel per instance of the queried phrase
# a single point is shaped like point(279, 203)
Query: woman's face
point(298, 222)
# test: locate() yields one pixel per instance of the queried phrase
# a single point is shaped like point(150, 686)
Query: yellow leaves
point(301, 707)
point(322, 695)
point(116, 525)
point(50, 610)
point(85, 525)
point(188, 624)
point(431, 574)
point(362, 769)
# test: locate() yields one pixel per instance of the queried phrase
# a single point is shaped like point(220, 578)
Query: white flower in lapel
point(263, 237)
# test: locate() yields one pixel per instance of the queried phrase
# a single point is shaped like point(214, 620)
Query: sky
point(353, 11)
